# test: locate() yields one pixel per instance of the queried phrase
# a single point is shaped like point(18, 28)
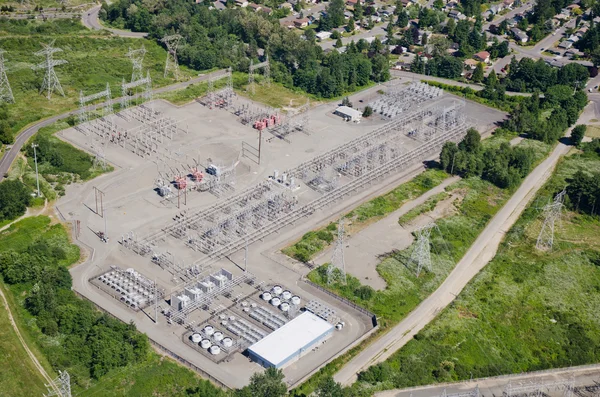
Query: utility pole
point(37, 177)
point(99, 193)
point(259, 144)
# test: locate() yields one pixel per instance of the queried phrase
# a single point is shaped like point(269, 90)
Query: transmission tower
point(50, 83)
point(552, 213)
point(266, 72)
point(6, 94)
point(137, 59)
point(421, 255)
point(172, 42)
point(337, 259)
point(60, 386)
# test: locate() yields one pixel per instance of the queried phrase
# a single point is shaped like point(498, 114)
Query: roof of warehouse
point(348, 111)
point(293, 336)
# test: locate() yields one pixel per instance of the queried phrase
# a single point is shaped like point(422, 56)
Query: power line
point(337, 259)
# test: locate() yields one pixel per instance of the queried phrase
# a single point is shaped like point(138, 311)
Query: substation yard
point(184, 235)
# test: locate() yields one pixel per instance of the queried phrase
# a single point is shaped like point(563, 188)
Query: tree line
point(503, 166)
point(234, 37)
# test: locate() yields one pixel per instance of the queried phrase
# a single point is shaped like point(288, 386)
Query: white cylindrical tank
point(205, 344)
point(275, 301)
point(209, 330)
point(224, 322)
point(284, 307)
point(267, 296)
point(218, 336)
point(296, 300)
point(277, 290)
point(253, 305)
point(214, 350)
point(286, 295)
point(231, 318)
point(246, 309)
point(244, 304)
point(227, 342)
point(339, 326)
point(196, 338)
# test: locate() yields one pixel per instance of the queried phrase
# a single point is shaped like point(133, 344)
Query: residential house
point(565, 45)
point(509, 4)
point(519, 35)
point(470, 64)
point(572, 8)
point(323, 35)
point(482, 56)
point(301, 23)
point(406, 3)
point(255, 7)
point(511, 22)
point(241, 3)
point(457, 15)
point(266, 10)
point(286, 24)
point(562, 16)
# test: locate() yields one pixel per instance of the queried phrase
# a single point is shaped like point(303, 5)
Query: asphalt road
point(90, 20)
point(24, 136)
point(480, 253)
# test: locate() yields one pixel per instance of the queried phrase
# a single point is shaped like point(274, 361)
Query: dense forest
point(15, 197)
point(504, 166)
point(234, 37)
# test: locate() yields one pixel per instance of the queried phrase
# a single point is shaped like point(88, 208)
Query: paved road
point(91, 20)
point(588, 375)
point(22, 138)
point(480, 253)
point(508, 15)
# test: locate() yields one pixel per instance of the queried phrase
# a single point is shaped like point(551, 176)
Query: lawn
point(526, 310)
point(593, 131)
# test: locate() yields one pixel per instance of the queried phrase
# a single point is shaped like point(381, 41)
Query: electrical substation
point(185, 234)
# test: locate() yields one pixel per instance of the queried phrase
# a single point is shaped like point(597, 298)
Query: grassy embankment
point(526, 310)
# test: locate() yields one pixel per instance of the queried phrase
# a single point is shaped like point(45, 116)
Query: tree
point(439, 45)
point(424, 39)
point(478, 73)
point(335, 13)
point(338, 43)
point(368, 111)
point(492, 80)
point(577, 134)
point(351, 25)
point(346, 102)
point(447, 156)
point(6, 136)
point(471, 143)
point(402, 20)
point(14, 199)
point(268, 384)
point(358, 11)
point(450, 27)
point(329, 388)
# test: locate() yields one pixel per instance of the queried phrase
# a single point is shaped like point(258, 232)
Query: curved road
point(91, 20)
point(22, 138)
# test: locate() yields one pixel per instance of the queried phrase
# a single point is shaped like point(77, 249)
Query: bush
point(577, 134)
point(14, 199)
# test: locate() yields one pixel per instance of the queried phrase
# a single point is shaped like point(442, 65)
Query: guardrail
point(162, 348)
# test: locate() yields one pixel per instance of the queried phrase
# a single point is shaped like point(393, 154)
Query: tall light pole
point(37, 177)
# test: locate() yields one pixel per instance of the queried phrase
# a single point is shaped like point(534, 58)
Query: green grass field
point(18, 376)
point(526, 310)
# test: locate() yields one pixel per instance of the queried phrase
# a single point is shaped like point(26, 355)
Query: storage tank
point(277, 290)
point(286, 295)
point(218, 336)
point(296, 300)
point(275, 301)
point(205, 344)
point(209, 330)
point(227, 342)
point(246, 309)
point(196, 337)
point(214, 350)
point(284, 306)
point(267, 296)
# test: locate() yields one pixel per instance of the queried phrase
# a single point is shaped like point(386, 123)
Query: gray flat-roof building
point(348, 113)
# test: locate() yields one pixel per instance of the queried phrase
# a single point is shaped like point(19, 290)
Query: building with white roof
point(290, 342)
point(348, 114)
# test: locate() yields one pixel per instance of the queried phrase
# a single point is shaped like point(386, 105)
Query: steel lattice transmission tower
point(266, 68)
point(6, 94)
point(172, 42)
point(552, 212)
point(421, 255)
point(137, 59)
point(50, 83)
point(337, 259)
point(60, 386)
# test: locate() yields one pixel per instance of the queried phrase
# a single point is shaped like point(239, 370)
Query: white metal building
point(348, 113)
point(288, 343)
